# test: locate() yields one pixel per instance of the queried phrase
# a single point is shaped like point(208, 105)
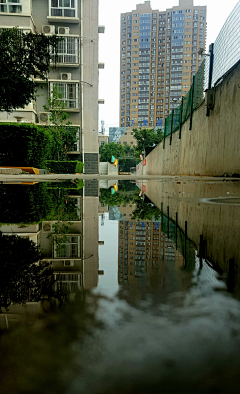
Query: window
point(11, 6)
point(65, 8)
point(69, 92)
point(68, 50)
point(69, 249)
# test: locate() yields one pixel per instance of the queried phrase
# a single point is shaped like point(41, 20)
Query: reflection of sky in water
point(177, 329)
point(108, 256)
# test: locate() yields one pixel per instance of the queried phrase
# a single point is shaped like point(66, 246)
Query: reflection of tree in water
point(23, 277)
point(33, 204)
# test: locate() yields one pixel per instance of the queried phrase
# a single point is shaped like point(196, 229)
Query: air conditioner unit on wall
point(68, 263)
point(66, 76)
point(63, 30)
point(46, 227)
point(44, 117)
point(48, 29)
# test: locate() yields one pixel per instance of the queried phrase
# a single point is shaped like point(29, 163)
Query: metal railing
point(227, 45)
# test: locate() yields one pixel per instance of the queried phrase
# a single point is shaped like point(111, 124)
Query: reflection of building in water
point(127, 210)
point(75, 255)
point(70, 245)
point(142, 247)
point(102, 210)
point(75, 262)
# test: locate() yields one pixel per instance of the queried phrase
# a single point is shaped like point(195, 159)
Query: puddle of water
point(142, 293)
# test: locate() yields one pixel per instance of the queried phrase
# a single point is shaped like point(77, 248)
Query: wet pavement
point(144, 292)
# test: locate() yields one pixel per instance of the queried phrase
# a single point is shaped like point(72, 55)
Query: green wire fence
point(182, 243)
point(189, 103)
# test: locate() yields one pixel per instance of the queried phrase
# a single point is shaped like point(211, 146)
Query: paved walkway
point(63, 177)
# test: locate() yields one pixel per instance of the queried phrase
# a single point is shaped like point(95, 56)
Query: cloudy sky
point(109, 52)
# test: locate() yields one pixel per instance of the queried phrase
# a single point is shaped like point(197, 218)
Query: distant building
point(102, 139)
point(158, 58)
point(125, 135)
point(115, 133)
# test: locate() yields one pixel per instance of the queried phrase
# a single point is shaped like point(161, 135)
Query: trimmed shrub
point(24, 144)
point(64, 167)
point(25, 205)
point(79, 167)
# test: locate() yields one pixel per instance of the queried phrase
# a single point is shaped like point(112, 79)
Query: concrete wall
point(218, 222)
point(90, 242)
point(89, 30)
point(212, 146)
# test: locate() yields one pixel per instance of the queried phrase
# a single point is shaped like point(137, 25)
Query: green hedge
point(64, 167)
point(79, 167)
point(25, 205)
point(23, 144)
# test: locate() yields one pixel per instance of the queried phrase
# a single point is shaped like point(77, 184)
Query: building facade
point(76, 78)
point(102, 139)
point(122, 136)
point(76, 74)
point(158, 58)
point(142, 248)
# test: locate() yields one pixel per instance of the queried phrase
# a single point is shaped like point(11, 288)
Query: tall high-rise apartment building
point(159, 56)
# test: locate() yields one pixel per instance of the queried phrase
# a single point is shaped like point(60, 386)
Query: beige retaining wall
point(212, 146)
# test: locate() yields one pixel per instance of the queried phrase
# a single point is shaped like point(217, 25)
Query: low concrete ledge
point(10, 171)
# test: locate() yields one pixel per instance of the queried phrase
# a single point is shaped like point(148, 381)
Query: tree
point(147, 140)
point(22, 278)
point(125, 151)
point(63, 136)
point(145, 209)
point(23, 58)
point(115, 199)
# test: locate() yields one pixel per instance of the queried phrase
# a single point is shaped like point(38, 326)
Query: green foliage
point(79, 167)
point(62, 141)
point(59, 235)
point(63, 136)
point(117, 150)
point(23, 56)
point(64, 167)
point(79, 183)
point(24, 145)
point(127, 186)
point(145, 209)
point(56, 107)
point(21, 279)
point(25, 205)
point(147, 140)
point(118, 198)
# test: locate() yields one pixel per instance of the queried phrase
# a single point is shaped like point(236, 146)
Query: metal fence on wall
point(189, 102)
point(227, 45)
point(226, 54)
point(182, 243)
